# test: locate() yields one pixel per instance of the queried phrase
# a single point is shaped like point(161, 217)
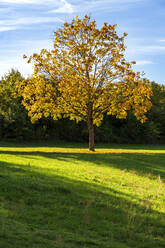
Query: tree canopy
point(85, 76)
point(9, 105)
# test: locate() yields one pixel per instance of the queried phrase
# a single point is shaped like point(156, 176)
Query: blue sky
point(26, 26)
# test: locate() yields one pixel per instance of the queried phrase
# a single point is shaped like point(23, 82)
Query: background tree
point(84, 77)
point(14, 121)
point(156, 116)
point(9, 105)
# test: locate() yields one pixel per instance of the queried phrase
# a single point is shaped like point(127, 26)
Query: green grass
point(66, 197)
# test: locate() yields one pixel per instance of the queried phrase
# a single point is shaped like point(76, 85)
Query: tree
point(14, 121)
point(84, 77)
point(10, 106)
point(156, 116)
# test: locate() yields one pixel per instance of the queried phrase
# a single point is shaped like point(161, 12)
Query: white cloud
point(26, 46)
point(46, 1)
point(65, 8)
point(13, 24)
point(143, 62)
point(151, 49)
point(20, 1)
point(29, 20)
point(94, 5)
point(134, 49)
point(37, 2)
point(23, 1)
point(115, 1)
point(162, 40)
point(7, 28)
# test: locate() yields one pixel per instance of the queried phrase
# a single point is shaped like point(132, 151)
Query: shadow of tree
point(42, 210)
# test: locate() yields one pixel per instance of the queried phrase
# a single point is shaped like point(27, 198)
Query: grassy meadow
point(67, 197)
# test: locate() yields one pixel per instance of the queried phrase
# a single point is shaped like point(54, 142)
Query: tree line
point(15, 124)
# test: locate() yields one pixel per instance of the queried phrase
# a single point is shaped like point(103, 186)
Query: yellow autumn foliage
point(84, 76)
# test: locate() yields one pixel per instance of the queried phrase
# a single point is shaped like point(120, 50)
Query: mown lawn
point(67, 197)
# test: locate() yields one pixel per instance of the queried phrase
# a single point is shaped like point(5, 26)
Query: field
point(67, 197)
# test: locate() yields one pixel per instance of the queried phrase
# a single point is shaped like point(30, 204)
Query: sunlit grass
point(63, 196)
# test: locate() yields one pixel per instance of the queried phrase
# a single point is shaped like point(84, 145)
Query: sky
point(27, 26)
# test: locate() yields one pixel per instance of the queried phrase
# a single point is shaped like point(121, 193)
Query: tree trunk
point(91, 129)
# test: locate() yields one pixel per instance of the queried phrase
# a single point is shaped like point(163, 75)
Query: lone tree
point(85, 76)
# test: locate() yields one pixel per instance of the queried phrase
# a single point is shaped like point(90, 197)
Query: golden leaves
point(86, 65)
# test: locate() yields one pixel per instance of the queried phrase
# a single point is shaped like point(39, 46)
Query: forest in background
point(16, 125)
